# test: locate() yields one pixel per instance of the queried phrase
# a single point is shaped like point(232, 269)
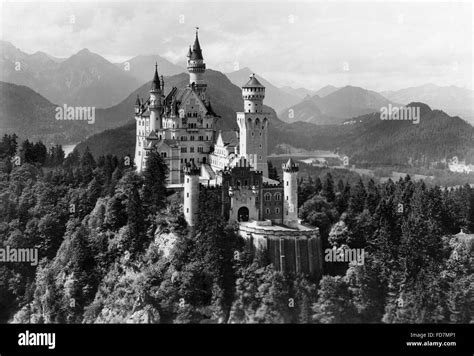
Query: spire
point(196, 52)
point(138, 102)
point(290, 166)
point(189, 52)
point(155, 85)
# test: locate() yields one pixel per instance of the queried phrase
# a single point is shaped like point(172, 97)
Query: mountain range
point(316, 121)
point(335, 106)
point(141, 67)
point(451, 99)
point(83, 79)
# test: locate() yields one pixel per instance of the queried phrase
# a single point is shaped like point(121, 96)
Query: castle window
point(163, 154)
point(277, 210)
point(287, 197)
point(187, 195)
point(260, 146)
point(192, 138)
point(252, 133)
point(268, 197)
point(200, 149)
point(267, 210)
point(277, 196)
point(287, 183)
point(187, 210)
point(191, 149)
point(187, 180)
point(184, 149)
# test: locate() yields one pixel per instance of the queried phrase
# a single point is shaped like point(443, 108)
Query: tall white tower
point(146, 124)
point(191, 193)
point(196, 66)
point(156, 101)
point(253, 125)
point(290, 193)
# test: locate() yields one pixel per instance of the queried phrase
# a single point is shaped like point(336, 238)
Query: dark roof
point(253, 83)
point(138, 102)
point(196, 52)
point(155, 84)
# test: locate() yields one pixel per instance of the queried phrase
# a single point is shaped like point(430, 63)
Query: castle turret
point(196, 66)
point(253, 94)
point(138, 105)
point(191, 193)
point(253, 125)
point(156, 104)
point(290, 193)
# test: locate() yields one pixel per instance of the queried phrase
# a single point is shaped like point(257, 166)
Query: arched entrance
point(243, 214)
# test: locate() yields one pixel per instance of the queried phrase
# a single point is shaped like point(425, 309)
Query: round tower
point(196, 65)
point(253, 94)
point(156, 94)
point(290, 193)
point(191, 193)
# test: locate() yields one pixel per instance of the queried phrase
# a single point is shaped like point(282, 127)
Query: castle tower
point(253, 125)
point(191, 193)
point(290, 193)
point(196, 66)
point(156, 101)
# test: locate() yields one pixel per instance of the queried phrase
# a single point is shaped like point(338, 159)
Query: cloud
point(304, 44)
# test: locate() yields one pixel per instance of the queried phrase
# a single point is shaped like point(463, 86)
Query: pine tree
point(154, 188)
point(328, 189)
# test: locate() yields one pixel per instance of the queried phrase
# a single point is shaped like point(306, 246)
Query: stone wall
point(290, 251)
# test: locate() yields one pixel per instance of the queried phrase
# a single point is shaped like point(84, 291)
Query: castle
point(181, 127)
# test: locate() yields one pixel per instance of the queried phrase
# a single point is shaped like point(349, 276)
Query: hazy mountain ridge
point(451, 99)
point(36, 121)
point(141, 66)
point(83, 79)
point(333, 108)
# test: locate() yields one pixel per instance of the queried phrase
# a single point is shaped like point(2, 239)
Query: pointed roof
point(138, 102)
point(290, 166)
point(196, 52)
point(155, 84)
point(253, 82)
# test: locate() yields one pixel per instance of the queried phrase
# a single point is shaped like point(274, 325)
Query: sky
point(376, 45)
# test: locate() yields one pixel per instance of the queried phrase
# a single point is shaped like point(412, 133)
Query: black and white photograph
point(258, 170)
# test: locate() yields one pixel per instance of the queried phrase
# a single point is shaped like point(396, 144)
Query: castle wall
point(290, 251)
point(272, 204)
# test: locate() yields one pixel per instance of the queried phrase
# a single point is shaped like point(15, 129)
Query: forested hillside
point(115, 248)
